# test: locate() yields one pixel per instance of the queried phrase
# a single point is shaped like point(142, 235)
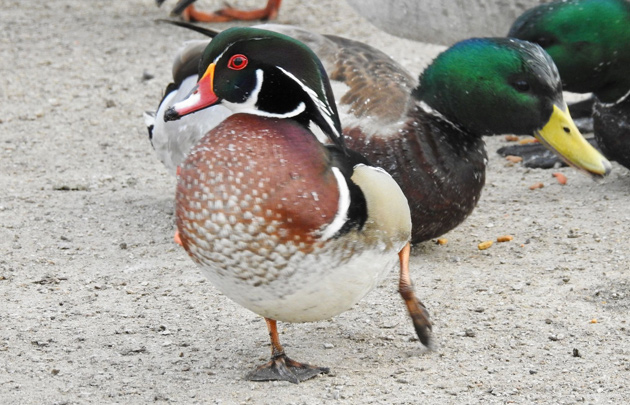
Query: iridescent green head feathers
point(589, 40)
point(493, 86)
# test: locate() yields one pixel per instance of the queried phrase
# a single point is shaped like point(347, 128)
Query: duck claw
point(421, 323)
point(282, 368)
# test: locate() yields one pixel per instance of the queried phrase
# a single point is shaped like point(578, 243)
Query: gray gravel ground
point(100, 306)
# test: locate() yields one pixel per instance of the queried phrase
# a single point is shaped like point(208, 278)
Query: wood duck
point(290, 228)
point(589, 42)
point(187, 10)
point(428, 136)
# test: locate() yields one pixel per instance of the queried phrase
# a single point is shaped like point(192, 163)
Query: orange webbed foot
point(269, 12)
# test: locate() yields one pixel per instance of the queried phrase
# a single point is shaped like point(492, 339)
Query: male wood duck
point(187, 10)
point(589, 42)
point(289, 228)
point(429, 136)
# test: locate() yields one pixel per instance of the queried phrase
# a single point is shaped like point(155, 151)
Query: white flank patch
point(342, 210)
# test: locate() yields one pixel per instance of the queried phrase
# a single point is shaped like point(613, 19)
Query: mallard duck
point(187, 10)
point(291, 228)
point(428, 136)
point(589, 42)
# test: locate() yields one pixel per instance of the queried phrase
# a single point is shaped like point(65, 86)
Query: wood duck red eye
point(237, 62)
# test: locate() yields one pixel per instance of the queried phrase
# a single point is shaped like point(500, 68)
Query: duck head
point(491, 86)
point(242, 68)
point(588, 41)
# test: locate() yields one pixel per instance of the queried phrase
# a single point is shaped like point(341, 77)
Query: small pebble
point(146, 75)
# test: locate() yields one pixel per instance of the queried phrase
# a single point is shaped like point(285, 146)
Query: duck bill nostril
point(562, 136)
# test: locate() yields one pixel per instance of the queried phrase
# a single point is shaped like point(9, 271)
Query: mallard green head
point(589, 40)
point(264, 73)
point(503, 85)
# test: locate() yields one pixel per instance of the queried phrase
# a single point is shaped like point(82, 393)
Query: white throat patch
point(249, 105)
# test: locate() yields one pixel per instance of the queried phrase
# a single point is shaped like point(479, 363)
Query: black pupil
point(521, 85)
point(545, 42)
point(237, 62)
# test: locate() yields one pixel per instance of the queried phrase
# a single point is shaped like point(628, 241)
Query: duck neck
point(614, 93)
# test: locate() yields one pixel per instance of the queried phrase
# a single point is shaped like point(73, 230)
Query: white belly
point(318, 289)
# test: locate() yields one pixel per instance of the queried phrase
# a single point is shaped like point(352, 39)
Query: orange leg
point(177, 239)
point(417, 311)
point(270, 12)
point(281, 367)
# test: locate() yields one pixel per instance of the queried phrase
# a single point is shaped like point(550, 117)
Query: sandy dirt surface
point(100, 306)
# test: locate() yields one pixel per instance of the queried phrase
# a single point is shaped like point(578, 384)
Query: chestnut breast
point(253, 193)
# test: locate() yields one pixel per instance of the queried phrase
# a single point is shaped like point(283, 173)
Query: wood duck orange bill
point(277, 212)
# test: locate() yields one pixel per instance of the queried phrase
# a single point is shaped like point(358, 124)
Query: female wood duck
point(589, 42)
point(289, 228)
point(429, 136)
point(187, 10)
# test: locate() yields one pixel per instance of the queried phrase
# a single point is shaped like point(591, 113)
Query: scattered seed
point(442, 241)
point(505, 238)
point(485, 245)
point(513, 159)
point(536, 185)
point(562, 179)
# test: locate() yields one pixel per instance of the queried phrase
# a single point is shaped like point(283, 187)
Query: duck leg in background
point(187, 10)
point(281, 367)
point(417, 311)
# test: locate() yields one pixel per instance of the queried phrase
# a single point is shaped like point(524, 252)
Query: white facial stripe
point(319, 134)
point(216, 60)
point(321, 106)
point(342, 210)
point(249, 106)
point(298, 110)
